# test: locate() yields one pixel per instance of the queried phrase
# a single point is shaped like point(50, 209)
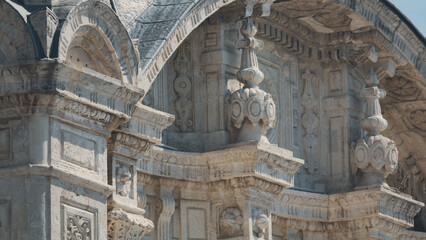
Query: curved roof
point(163, 26)
point(405, 19)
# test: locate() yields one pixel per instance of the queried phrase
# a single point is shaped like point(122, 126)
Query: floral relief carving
point(231, 222)
point(402, 88)
point(78, 227)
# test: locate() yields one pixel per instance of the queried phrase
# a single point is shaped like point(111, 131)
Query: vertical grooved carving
point(166, 206)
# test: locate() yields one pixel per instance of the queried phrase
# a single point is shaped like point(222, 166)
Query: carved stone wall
point(211, 119)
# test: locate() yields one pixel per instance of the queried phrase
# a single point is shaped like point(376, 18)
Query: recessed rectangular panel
point(79, 150)
point(196, 223)
point(4, 143)
point(4, 219)
point(336, 146)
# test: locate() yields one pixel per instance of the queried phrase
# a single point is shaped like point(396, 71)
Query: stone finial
point(252, 109)
point(375, 155)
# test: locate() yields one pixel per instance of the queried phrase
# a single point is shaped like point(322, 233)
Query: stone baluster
point(375, 156)
point(252, 109)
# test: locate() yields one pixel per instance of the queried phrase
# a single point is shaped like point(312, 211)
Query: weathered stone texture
point(211, 119)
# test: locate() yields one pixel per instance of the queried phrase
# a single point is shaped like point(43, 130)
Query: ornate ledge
point(148, 123)
point(367, 208)
point(255, 159)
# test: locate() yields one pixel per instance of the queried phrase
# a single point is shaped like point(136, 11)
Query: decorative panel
point(78, 223)
point(335, 81)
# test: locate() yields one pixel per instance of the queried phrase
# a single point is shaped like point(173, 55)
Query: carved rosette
point(310, 121)
point(252, 109)
point(127, 226)
point(231, 222)
point(375, 155)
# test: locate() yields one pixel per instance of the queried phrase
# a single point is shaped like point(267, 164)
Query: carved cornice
point(411, 235)
point(90, 110)
point(148, 123)
point(28, 103)
point(133, 142)
point(363, 209)
point(246, 159)
point(246, 183)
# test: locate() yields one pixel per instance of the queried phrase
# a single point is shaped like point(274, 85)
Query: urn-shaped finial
point(252, 110)
point(374, 156)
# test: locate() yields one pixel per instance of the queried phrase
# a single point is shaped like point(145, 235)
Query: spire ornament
point(375, 156)
point(252, 109)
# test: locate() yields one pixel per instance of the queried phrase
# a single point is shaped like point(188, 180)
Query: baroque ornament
point(252, 109)
point(231, 222)
point(375, 156)
point(183, 86)
point(127, 226)
point(310, 121)
point(78, 228)
point(123, 179)
point(260, 222)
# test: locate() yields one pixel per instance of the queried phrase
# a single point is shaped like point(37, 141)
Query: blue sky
point(415, 10)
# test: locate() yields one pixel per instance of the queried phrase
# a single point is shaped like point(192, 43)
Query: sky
point(415, 10)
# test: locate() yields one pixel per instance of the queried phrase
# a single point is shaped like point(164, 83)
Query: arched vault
point(162, 27)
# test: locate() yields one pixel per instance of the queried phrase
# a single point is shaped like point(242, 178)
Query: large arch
point(95, 24)
point(183, 26)
point(16, 44)
point(391, 25)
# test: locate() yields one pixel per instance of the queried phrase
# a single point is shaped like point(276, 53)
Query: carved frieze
point(86, 110)
point(310, 121)
point(231, 222)
point(136, 143)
